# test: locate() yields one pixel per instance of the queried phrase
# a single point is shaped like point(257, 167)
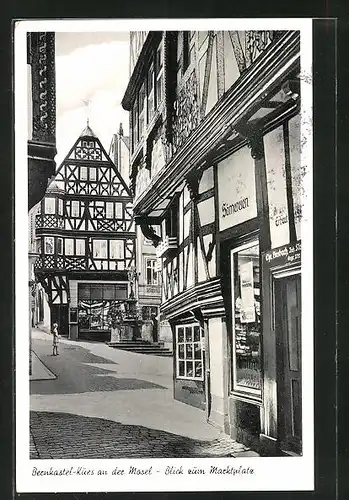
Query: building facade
point(147, 283)
point(86, 242)
point(216, 174)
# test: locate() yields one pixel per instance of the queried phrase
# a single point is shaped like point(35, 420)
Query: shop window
point(60, 207)
point(246, 318)
point(59, 246)
point(80, 247)
point(49, 245)
point(151, 273)
point(83, 173)
point(100, 249)
point(116, 249)
point(69, 246)
point(50, 205)
point(189, 352)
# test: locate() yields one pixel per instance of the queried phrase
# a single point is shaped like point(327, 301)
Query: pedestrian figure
point(56, 338)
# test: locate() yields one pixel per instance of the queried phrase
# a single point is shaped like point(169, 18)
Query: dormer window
point(50, 205)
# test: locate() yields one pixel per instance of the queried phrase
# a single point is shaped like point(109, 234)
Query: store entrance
point(59, 315)
point(287, 300)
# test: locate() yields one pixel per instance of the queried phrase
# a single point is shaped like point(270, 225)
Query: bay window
point(246, 318)
point(189, 352)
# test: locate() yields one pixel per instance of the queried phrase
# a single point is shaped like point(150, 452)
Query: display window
point(246, 319)
point(189, 352)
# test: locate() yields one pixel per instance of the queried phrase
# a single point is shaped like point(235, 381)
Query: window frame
point(46, 239)
point(149, 260)
point(235, 387)
point(193, 359)
point(47, 199)
point(66, 240)
point(76, 247)
point(59, 240)
point(121, 245)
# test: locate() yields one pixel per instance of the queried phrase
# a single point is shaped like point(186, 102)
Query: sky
point(90, 67)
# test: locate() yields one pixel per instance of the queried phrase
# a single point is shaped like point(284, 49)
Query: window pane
point(59, 246)
point(96, 291)
point(69, 247)
point(80, 247)
point(188, 334)
point(116, 249)
point(49, 248)
point(181, 351)
point(180, 334)
point(247, 317)
point(197, 350)
point(110, 214)
point(118, 210)
point(181, 368)
point(60, 206)
point(196, 333)
point(75, 208)
point(108, 292)
point(100, 249)
point(83, 173)
point(189, 369)
point(198, 369)
point(189, 351)
point(92, 174)
point(50, 205)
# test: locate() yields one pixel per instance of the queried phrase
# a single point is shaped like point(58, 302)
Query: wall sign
point(287, 254)
point(236, 189)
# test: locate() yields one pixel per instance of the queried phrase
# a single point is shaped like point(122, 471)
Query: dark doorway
point(287, 300)
point(59, 314)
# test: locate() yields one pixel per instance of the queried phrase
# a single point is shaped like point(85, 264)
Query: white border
point(270, 474)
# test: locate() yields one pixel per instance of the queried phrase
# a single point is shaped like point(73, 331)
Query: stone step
point(141, 348)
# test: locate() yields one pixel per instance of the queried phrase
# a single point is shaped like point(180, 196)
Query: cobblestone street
point(106, 403)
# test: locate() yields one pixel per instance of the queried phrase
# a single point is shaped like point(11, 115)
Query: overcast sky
point(95, 67)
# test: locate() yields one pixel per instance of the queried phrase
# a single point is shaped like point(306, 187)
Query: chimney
point(121, 132)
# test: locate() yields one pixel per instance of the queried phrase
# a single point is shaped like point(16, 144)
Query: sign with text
point(287, 254)
point(236, 189)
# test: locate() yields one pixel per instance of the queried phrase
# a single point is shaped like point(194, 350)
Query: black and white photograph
point(164, 295)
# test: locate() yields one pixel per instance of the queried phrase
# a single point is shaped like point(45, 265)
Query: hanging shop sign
point(247, 307)
point(286, 254)
point(236, 189)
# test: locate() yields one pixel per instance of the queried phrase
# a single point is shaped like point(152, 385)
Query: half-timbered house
point(216, 173)
point(86, 240)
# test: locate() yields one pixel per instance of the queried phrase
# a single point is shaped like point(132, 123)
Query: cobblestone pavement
point(107, 403)
point(68, 436)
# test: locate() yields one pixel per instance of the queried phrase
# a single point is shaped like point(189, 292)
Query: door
point(287, 300)
point(59, 314)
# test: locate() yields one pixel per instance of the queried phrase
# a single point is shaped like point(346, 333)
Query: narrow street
point(93, 401)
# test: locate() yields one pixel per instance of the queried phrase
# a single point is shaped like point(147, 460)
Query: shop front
point(259, 213)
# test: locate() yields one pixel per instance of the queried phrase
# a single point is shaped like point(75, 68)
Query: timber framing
point(277, 63)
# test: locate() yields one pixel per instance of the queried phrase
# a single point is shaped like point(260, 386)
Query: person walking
point(56, 338)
